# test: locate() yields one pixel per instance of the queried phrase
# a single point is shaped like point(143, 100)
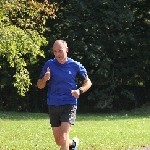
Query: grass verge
point(31, 131)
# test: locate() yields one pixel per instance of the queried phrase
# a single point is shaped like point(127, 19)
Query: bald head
point(61, 43)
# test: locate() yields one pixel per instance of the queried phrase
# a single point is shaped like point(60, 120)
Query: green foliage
point(17, 45)
point(21, 24)
point(28, 13)
point(110, 38)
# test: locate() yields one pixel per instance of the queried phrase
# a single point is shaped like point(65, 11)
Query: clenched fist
point(47, 74)
point(75, 93)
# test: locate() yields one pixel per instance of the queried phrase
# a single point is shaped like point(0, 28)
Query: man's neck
point(64, 60)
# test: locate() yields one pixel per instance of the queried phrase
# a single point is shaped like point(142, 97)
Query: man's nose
point(57, 54)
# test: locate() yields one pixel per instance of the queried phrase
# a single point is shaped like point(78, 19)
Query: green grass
point(31, 131)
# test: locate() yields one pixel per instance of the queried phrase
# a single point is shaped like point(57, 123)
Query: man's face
point(60, 53)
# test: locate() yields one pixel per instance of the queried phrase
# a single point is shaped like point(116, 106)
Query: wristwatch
point(80, 89)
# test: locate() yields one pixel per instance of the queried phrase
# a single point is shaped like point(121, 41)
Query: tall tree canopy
point(21, 27)
point(109, 37)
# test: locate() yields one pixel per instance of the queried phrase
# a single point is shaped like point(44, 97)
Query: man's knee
point(62, 140)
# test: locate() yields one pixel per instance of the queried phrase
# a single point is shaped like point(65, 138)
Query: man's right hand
point(47, 75)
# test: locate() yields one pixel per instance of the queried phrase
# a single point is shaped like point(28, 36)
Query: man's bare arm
point(86, 85)
point(42, 82)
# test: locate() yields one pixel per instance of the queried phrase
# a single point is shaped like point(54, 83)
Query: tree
point(21, 27)
point(107, 38)
point(97, 32)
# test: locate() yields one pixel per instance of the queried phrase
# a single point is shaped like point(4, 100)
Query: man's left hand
point(75, 93)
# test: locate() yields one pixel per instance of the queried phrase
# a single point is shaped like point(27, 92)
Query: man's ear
point(67, 49)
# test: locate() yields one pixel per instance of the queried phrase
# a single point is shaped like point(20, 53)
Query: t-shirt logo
point(70, 72)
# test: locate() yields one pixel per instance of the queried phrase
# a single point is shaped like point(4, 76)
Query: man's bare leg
point(61, 135)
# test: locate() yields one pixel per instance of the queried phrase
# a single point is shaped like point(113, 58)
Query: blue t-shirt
point(62, 81)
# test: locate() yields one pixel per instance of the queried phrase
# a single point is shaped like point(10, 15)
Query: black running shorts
point(64, 113)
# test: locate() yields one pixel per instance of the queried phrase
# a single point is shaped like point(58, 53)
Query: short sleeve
point(82, 72)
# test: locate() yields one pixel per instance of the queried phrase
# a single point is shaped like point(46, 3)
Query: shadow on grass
point(22, 116)
point(139, 113)
point(112, 116)
point(80, 117)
